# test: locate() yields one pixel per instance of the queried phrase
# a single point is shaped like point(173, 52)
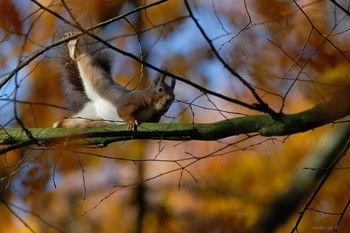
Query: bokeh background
point(293, 57)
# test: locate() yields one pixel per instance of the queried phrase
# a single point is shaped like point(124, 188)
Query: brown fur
point(107, 102)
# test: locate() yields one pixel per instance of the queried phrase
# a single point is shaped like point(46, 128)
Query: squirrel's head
point(163, 94)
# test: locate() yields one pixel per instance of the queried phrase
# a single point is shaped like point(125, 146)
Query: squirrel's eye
point(160, 89)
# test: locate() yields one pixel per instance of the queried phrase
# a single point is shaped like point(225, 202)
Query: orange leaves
point(165, 11)
point(45, 90)
point(90, 12)
point(10, 24)
point(273, 10)
point(10, 19)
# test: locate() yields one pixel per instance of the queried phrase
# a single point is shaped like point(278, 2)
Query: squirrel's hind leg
point(77, 122)
point(85, 118)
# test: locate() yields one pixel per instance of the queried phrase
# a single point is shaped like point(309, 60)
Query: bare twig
point(261, 106)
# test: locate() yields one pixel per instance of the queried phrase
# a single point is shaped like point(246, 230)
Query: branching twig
point(261, 106)
point(319, 32)
point(337, 156)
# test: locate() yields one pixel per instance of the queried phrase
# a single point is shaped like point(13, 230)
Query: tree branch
point(265, 125)
point(318, 165)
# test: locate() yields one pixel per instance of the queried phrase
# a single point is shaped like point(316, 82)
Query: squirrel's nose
point(169, 99)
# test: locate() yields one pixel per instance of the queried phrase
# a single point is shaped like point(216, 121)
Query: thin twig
point(262, 106)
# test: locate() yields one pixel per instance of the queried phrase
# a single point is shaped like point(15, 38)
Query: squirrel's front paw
point(64, 123)
point(72, 46)
point(132, 126)
point(57, 124)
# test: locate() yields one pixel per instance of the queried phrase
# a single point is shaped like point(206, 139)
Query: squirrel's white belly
point(103, 108)
point(106, 110)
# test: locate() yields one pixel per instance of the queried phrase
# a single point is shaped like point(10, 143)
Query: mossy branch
point(265, 125)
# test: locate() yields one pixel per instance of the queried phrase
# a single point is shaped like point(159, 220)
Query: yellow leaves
point(331, 80)
point(335, 75)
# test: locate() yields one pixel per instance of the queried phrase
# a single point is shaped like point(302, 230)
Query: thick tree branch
point(265, 125)
point(318, 165)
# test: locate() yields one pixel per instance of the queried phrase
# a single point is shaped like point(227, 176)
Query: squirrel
point(99, 100)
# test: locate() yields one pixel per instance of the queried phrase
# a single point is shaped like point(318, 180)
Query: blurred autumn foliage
point(294, 55)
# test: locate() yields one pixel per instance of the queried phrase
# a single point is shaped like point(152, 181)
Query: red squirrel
point(100, 101)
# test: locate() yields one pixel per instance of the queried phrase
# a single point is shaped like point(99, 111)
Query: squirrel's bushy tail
point(71, 80)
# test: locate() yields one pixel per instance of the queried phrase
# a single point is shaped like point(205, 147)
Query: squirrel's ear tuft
point(158, 81)
point(172, 84)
